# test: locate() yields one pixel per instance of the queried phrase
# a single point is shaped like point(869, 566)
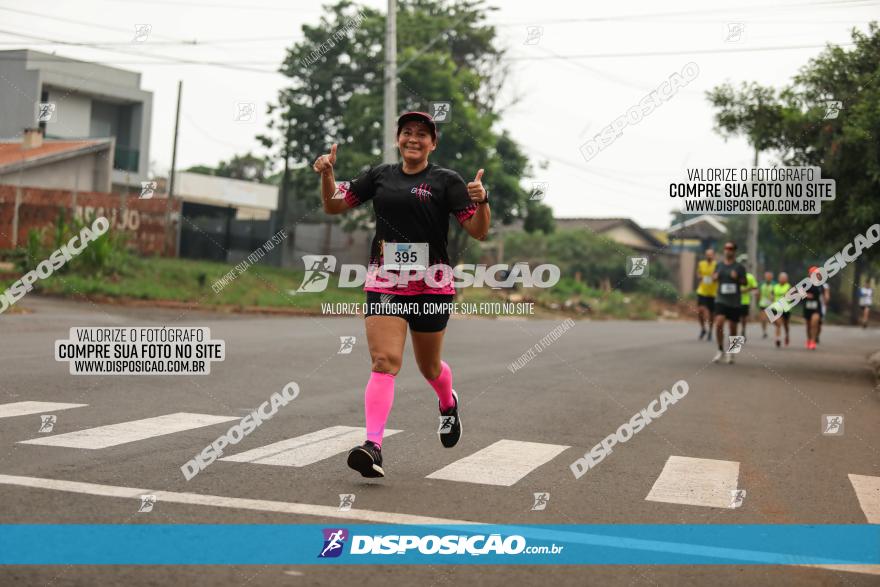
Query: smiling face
point(415, 142)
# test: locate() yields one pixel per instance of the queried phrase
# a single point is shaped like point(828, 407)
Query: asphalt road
point(762, 416)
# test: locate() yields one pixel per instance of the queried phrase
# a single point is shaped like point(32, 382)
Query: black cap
point(417, 117)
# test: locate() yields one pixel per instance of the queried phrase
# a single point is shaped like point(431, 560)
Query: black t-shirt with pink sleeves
point(411, 208)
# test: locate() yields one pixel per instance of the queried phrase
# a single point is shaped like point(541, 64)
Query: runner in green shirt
point(746, 293)
point(766, 297)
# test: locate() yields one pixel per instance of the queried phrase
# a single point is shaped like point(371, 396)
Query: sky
point(575, 68)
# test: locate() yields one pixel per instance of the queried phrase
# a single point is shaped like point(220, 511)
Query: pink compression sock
point(378, 398)
point(443, 386)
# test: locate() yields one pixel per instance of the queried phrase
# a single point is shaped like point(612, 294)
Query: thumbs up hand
point(325, 163)
point(476, 191)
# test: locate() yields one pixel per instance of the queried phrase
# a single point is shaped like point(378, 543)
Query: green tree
point(247, 167)
point(539, 217)
point(795, 124)
point(446, 52)
point(847, 148)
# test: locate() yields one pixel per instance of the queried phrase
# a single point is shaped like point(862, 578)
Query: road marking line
point(263, 505)
point(115, 434)
point(306, 449)
point(27, 408)
point(502, 463)
point(133, 493)
point(868, 492)
point(690, 481)
point(864, 569)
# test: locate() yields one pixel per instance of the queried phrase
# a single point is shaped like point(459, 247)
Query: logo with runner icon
point(346, 344)
point(346, 500)
point(334, 541)
point(541, 500)
point(446, 424)
point(637, 266)
point(737, 496)
point(318, 270)
point(832, 424)
point(147, 503)
point(47, 423)
point(735, 344)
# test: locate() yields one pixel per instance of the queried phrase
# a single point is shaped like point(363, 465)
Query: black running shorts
point(706, 302)
point(423, 312)
point(731, 313)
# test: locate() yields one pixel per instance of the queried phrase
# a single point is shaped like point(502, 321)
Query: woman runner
point(409, 275)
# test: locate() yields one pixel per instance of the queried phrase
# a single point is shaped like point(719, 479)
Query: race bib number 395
point(400, 256)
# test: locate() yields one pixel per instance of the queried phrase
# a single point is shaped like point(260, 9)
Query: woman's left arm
point(478, 225)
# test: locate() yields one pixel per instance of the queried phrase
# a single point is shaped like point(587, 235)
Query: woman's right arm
point(324, 166)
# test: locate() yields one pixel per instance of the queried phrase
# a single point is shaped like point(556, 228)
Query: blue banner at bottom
point(270, 544)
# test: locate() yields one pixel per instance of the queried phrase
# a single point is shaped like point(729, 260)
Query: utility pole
point(290, 241)
point(389, 147)
point(752, 243)
point(173, 173)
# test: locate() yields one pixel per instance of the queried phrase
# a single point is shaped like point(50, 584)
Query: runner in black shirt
point(731, 276)
point(412, 202)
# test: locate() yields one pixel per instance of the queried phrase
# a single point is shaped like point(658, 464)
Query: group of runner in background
point(724, 295)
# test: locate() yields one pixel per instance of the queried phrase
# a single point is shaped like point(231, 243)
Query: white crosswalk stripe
point(28, 408)
point(502, 463)
point(690, 481)
point(306, 449)
point(868, 492)
point(125, 432)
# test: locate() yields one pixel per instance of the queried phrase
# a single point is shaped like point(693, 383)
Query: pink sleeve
point(344, 188)
point(465, 213)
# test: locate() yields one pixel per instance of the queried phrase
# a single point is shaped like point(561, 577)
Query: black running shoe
point(367, 459)
point(450, 425)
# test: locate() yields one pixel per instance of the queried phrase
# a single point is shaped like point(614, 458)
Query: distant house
point(75, 165)
point(73, 100)
point(619, 230)
point(697, 233)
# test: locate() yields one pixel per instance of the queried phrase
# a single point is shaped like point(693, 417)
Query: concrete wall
point(626, 236)
point(329, 239)
point(70, 83)
point(72, 114)
point(87, 172)
point(223, 191)
point(19, 89)
point(145, 221)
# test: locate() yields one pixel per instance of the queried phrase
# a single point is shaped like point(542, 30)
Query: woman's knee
point(386, 363)
point(431, 370)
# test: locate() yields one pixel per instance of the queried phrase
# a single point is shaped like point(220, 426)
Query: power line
point(167, 58)
point(234, 64)
point(170, 41)
point(677, 52)
point(43, 16)
point(212, 5)
point(733, 9)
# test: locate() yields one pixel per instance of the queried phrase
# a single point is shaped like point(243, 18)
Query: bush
point(106, 255)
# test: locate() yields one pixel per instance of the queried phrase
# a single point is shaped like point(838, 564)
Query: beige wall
point(627, 236)
point(89, 172)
